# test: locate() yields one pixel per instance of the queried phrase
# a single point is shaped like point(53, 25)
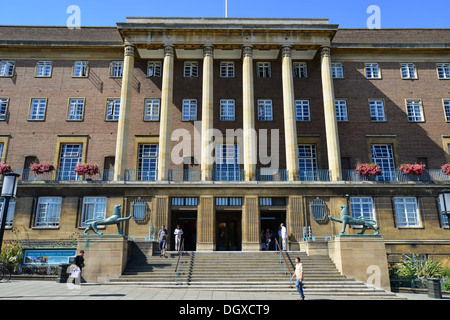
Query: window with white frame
point(2, 147)
point(447, 110)
point(443, 70)
point(383, 156)
point(341, 110)
point(337, 70)
point(6, 68)
point(43, 69)
point(3, 108)
point(408, 70)
point(377, 110)
point(76, 109)
point(37, 109)
point(112, 109)
point(414, 109)
point(190, 69)
point(302, 112)
point(362, 207)
point(80, 69)
point(227, 110)
point(151, 112)
point(372, 70)
point(407, 212)
point(10, 214)
point(227, 162)
point(265, 112)
point(444, 218)
point(148, 162)
point(70, 156)
point(154, 69)
point(93, 208)
point(116, 69)
point(48, 212)
point(263, 70)
point(189, 112)
point(307, 162)
point(227, 69)
point(300, 70)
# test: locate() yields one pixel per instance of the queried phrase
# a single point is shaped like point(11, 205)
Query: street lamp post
point(444, 202)
point(9, 190)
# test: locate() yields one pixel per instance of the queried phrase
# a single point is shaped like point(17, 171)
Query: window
point(80, 69)
point(151, 112)
point(263, 70)
point(227, 162)
point(443, 70)
point(6, 68)
point(300, 70)
point(341, 110)
point(10, 214)
point(406, 212)
point(184, 201)
point(148, 162)
point(154, 69)
point(307, 162)
point(408, 70)
point(48, 211)
point(383, 156)
point(362, 207)
point(190, 69)
point(227, 112)
point(302, 110)
point(3, 107)
point(43, 69)
point(372, 71)
point(265, 110)
point(112, 109)
point(37, 109)
point(377, 110)
point(76, 108)
point(337, 70)
point(71, 155)
point(2, 147)
point(447, 110)
point(92, 208)
point(231, 202)
point(116, 69)
point(189, 110)
point(414, 109)
point(227, 69)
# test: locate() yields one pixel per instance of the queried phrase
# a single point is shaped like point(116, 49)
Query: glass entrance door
point(229, 231)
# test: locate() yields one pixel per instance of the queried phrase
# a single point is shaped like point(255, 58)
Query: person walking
point(283, 237)
point(163, 240)
point(299, 275)
point(267, 239)
point(79, 262)
point(178, 233)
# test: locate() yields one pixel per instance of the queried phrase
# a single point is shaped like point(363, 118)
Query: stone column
point(165, 127)
point(124, 114)
point(248, 106)
point(206, 224)
point(294, 225)
point(331, 129)
point(251, 224)
point(290, 123)
point(207, 113)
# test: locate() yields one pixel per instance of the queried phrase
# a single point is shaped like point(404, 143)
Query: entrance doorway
point(188, 223)
point(229, 231)
point(271, 220)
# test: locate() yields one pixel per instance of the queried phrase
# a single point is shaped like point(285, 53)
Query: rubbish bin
point(434, 288)
point(62, 273)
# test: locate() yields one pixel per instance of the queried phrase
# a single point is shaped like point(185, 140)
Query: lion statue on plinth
point(346, 219)
point(100, 221)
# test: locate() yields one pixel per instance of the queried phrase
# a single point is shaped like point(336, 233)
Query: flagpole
point(226, 8)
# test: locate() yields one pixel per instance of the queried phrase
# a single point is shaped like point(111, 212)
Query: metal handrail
point(285, 262)
point(179, 259)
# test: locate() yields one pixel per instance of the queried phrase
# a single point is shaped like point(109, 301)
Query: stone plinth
point(362, 258)
point(105, 257)
point(314, 248)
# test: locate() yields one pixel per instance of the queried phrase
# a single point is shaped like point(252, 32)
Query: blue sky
point(346, 13)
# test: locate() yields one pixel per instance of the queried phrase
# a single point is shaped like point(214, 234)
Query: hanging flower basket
point(41, 168)
point(446, 169)
point(368, 169)
point(5, 168)
point(414, 169)
point(86, 169)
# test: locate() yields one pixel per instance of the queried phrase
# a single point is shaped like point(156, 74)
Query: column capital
point(169, 50)
point(129, 50)
point(286, 51)
point(325, 52)
point(208, 50)
point(247, 51)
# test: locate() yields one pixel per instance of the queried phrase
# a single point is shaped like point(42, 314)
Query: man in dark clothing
point(79, 260)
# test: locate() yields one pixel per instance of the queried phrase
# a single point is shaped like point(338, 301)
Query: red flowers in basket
point(89, 169)
point(414, 169)
point(368, 169)
point(41, 168)
point(5, 168)
point(446, 169)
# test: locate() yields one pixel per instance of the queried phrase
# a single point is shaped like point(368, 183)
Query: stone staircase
point(240, 271)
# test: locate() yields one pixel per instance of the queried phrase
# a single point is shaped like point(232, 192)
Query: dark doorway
point(229, 231)
point(271, 220)
point(188, 223)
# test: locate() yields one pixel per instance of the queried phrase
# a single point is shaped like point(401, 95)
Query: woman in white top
point(178, 232)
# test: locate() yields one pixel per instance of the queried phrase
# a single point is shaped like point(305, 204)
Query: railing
point(271, 175)
point(284, 258)
point(64, 175)
point(180, 255)
point(314, 175)
point(429, 175)
point(180, 175)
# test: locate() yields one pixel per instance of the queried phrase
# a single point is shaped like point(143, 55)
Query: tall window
point(383, 156)
point(80, 69)
point(227, 69)
point(307, 162)
point(263, 70)
point(300, 70)
point(265, 110)
point(93, 208)
point(43, 69)
point(189, 111)
point(76, 108)
point(372, 71)
point(408, 70)
point(341, 110)
point(3, 107)
point(112, 109)
point(148, 162)
point(337, 70)
point(377, 110)
point(362, 207)
point(154, 69)
point(407, 212)
point(414, 109)
point(302, 112)
point(48, 211)
point(447, 109)
point(227, 162)
point(190, 69)
point(443, 70)
point(116, 69)
point(151, 110)
point(71, 155)
point(227, 112)
point(37, 109)
point(2, 147)
point(6, 68)
point(10, 214)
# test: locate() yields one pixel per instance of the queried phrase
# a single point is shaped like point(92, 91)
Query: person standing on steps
point(299, 275)
point(178, 233)
point(163, 240)
point(283, 236)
